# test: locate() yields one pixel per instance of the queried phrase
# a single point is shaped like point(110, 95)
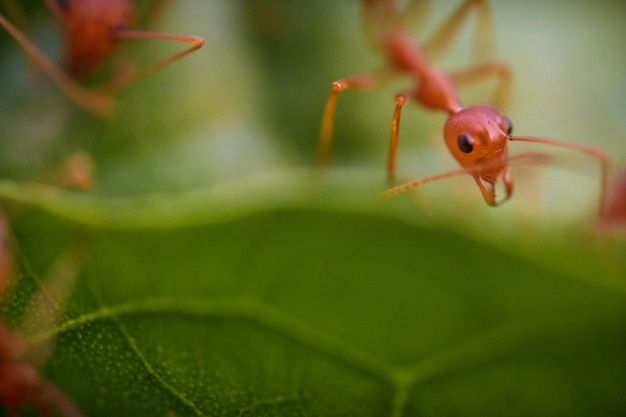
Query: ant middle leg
point(123, 80)
point(502, 91)
point(94, 102)
point(379, 16)
point(393, 140)
point(441, 40)
point(357, 82)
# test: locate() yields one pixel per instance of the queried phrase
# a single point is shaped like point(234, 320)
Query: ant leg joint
point(400, 100)
point(338, 87)
point(503, 70)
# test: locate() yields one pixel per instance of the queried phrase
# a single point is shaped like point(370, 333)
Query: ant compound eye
point(465, 143)
point(508, 126)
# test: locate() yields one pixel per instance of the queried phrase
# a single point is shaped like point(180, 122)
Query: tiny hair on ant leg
point(476, 136)
point(92, 30)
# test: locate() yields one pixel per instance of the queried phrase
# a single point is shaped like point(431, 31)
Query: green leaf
point(285, 308)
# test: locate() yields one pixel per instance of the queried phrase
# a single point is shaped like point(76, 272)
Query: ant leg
point(602, 157)
point(380, 15)
point(74, 172)
point(376, 17)
point(395, 132)
point(416, 183)
point(488, 195)
point(502, 92)
point(96, 103)
point(124, 80)
point(441, 40)
point(416, 13)
point(363, 81)
point(26, 357)
point(15, 14)
point(48, 303)
point(58, 399)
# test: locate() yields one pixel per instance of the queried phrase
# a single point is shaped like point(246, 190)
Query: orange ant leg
point(380, 15)
point(602, 157)
point(20, 380)
point(73, 172)
point(395, 133)
point(124, 80)
point(48, 304)
point(15, 14)
point(441, 40)
point(502, 91)
point(489, 191)
point(363, 81)
point(416, 13)
point(94, 102)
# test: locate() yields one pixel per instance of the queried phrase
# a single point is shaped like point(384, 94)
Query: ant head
point(89, 27)
point(477, 138)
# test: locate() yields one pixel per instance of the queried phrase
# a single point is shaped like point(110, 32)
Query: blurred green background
point(224, 277)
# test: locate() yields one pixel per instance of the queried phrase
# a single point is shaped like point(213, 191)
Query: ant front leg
point(96, 103)
point(395, 133)
point(124, 80)
point(363, 81)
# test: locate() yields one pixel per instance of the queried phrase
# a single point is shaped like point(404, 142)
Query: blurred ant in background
point(92, 29)
point(20, 382)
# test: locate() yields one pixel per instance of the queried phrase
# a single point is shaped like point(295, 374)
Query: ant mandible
point(91, 30)
point(477, 136)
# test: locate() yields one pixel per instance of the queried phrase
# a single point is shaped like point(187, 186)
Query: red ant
point(20, 383)
point(477, 136)
point(92, 29)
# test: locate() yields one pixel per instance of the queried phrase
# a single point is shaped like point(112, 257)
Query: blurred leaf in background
point(222, 277)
